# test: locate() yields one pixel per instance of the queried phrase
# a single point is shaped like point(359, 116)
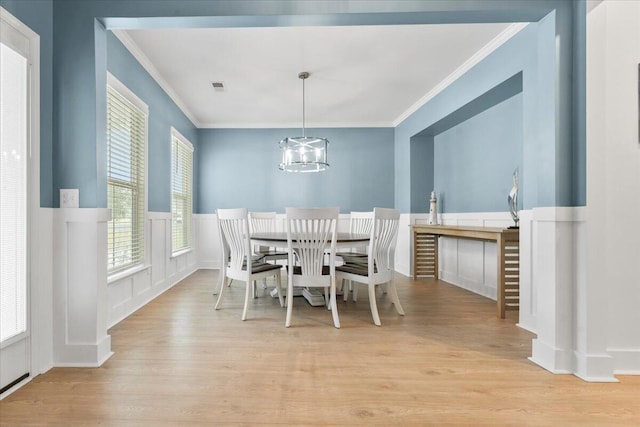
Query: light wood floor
point(449, 360)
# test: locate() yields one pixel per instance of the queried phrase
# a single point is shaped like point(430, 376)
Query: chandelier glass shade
point(304, 153)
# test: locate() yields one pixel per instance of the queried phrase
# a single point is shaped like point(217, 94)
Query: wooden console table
point(425, 256)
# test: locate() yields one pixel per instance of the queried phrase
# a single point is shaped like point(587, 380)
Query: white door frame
point(35, 276)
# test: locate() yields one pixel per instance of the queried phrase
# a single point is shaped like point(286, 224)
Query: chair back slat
point(262, 222)
point(360, 222)
point(309, 232)
point(234, 229)
point(384, 236)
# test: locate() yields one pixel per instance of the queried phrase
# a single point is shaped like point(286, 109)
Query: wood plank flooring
point(449, 360)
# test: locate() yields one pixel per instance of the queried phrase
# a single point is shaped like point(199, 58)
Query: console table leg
point(501, 277)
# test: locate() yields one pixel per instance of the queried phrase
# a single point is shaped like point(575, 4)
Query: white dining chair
point(233, 227)
point(359, 223)
point(378, 267)
point(265, 222)
point(311, 233)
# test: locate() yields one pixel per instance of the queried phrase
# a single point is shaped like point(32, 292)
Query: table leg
point(501, 277)
point(425, 255)
point(415, 255)
point(436, 267)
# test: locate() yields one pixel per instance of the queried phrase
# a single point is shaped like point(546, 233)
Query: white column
point(553, 232)
point(80, 288)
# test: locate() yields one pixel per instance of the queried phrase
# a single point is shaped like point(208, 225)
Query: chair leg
point(345, 289)
point(394, 297)
point(222, 286)
point(287, 321)
point(334, 305)
point(326, 298)
point(246, 298)
point(374, 305)
point(221, 278)
point(279, 288)
point(355, 291)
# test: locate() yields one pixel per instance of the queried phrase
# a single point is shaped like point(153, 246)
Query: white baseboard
point(625, 361)
point(553, 359)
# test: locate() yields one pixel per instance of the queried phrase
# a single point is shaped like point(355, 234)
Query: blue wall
point(546, 165)
point(475, 160)
point(239, 168)
point(468, 137)
point(73, 100)
point(163, 113)
point(38, 15)
point(422, 172)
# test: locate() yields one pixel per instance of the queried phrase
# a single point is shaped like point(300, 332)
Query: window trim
point(139, 103)
point(176, 134)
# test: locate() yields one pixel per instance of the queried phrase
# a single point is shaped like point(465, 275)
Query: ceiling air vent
point(218, 86)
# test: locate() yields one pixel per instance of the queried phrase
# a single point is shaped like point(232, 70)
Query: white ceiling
point(360, 75)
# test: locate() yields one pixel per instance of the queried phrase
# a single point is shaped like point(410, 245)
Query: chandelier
point(304, 153)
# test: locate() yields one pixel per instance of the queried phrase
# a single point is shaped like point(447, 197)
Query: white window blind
point(13, 197)
point(181, 191)
point(126, 139)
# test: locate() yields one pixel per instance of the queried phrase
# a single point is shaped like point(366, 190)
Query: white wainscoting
point(552, 263)
point(471, 264)
point(162, 271)
point(558, 276)
point(207, 241)
point(404, 246)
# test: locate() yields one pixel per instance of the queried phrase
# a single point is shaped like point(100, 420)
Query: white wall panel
point(471, 264)
point(404, 247)
point(207, 241)
point(80, 288)
point(158, 247)
point(554, 278)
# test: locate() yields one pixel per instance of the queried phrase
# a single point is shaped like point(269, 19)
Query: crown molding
point(132, 47)
point(309, 126)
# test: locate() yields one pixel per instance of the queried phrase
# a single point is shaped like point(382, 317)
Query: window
point(181, 191)
point(126, 147)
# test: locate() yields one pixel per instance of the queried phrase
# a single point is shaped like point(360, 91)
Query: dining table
point(278, 239)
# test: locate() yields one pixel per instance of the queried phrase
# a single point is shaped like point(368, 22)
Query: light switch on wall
point(70, 198)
